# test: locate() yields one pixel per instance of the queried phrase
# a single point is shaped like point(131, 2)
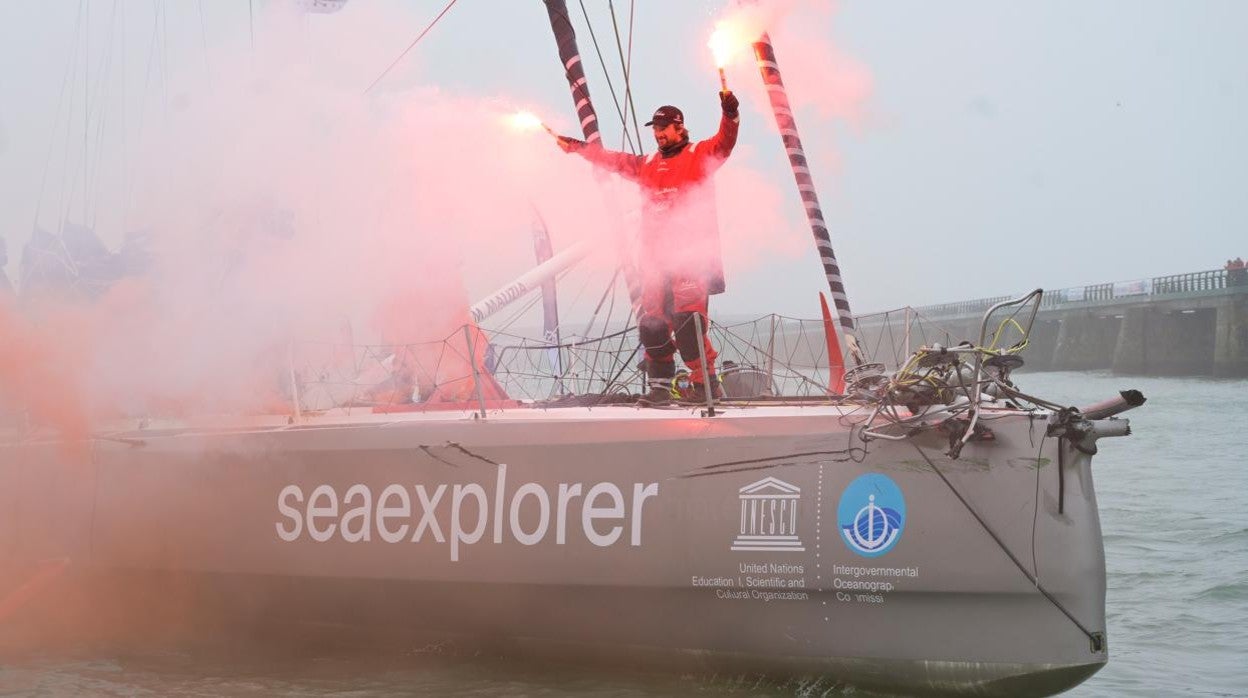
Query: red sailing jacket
point(679, 230)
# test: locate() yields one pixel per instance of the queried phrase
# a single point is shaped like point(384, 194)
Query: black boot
point(659, 375)
point(697, 393)
point(658, 396)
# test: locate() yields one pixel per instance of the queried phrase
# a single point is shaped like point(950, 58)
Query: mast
point(570, 57)
point(765, 54)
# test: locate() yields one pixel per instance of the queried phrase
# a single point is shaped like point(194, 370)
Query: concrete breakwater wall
point(1182, 325)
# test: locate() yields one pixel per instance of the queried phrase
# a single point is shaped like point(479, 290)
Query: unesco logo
point(871, 515)
point(769, 517)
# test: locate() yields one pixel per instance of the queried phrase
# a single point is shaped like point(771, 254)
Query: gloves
point(730, 103)
point(569, 145)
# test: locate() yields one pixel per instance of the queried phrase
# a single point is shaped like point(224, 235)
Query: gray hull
point(762, 539)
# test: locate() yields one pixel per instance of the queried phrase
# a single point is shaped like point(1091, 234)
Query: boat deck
point(458, 413)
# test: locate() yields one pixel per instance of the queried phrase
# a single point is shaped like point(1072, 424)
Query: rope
point(410, 46)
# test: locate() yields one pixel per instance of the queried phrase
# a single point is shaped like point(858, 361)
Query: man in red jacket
point(680, 262)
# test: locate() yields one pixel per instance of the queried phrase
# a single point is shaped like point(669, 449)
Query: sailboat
point(927, 527)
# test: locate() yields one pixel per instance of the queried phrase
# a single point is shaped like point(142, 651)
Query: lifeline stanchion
point(472, 361)
point(294, 380)
point(771, 352)
point(707, 389)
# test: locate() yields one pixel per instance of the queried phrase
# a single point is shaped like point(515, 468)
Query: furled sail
point(550, 301)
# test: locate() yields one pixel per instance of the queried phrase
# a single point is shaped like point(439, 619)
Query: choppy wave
point(1237, 591)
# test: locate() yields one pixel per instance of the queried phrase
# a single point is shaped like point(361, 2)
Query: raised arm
point(721, 144)
point(624, 164)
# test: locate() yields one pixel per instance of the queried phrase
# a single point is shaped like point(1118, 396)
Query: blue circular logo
point(871, 515)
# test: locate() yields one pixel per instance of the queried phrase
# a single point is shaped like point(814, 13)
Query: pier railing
point(1191, 282)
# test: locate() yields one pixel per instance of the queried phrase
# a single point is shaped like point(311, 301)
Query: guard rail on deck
point(1191, 282)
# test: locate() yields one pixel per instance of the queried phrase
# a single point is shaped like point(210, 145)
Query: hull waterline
point(764, 540)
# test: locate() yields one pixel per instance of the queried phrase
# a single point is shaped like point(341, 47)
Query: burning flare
point(729, 38)
point(527, 121)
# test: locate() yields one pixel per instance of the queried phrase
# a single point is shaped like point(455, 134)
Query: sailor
point(1237, 272)
point(679, 253)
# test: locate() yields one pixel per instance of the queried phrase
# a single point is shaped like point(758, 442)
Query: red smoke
point(41, 371)
point(284, 204)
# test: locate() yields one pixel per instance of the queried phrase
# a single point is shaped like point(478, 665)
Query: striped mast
point(570, 57)
point(765, 54)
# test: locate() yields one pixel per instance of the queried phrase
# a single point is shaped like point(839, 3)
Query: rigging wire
point(203, 37)
point(65, 175)
point(594, 317)
point(90, 165)
point(94, 168)
point(122, 117)
point(606, 324)
point(627, 62)
point(86, 108)
point(631, 6)
point(164, 66)
point(70, 70)
point(147, 83)
point(610, 86)
point(579, 293)
point(410, 46)
point(69, 178)
point(534, 300)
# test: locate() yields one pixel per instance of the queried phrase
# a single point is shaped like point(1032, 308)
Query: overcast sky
point(1002, 145)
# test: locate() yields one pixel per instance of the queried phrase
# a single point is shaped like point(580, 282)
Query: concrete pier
point(1179, 325)
point(1230, 343)
point(1085, 341)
